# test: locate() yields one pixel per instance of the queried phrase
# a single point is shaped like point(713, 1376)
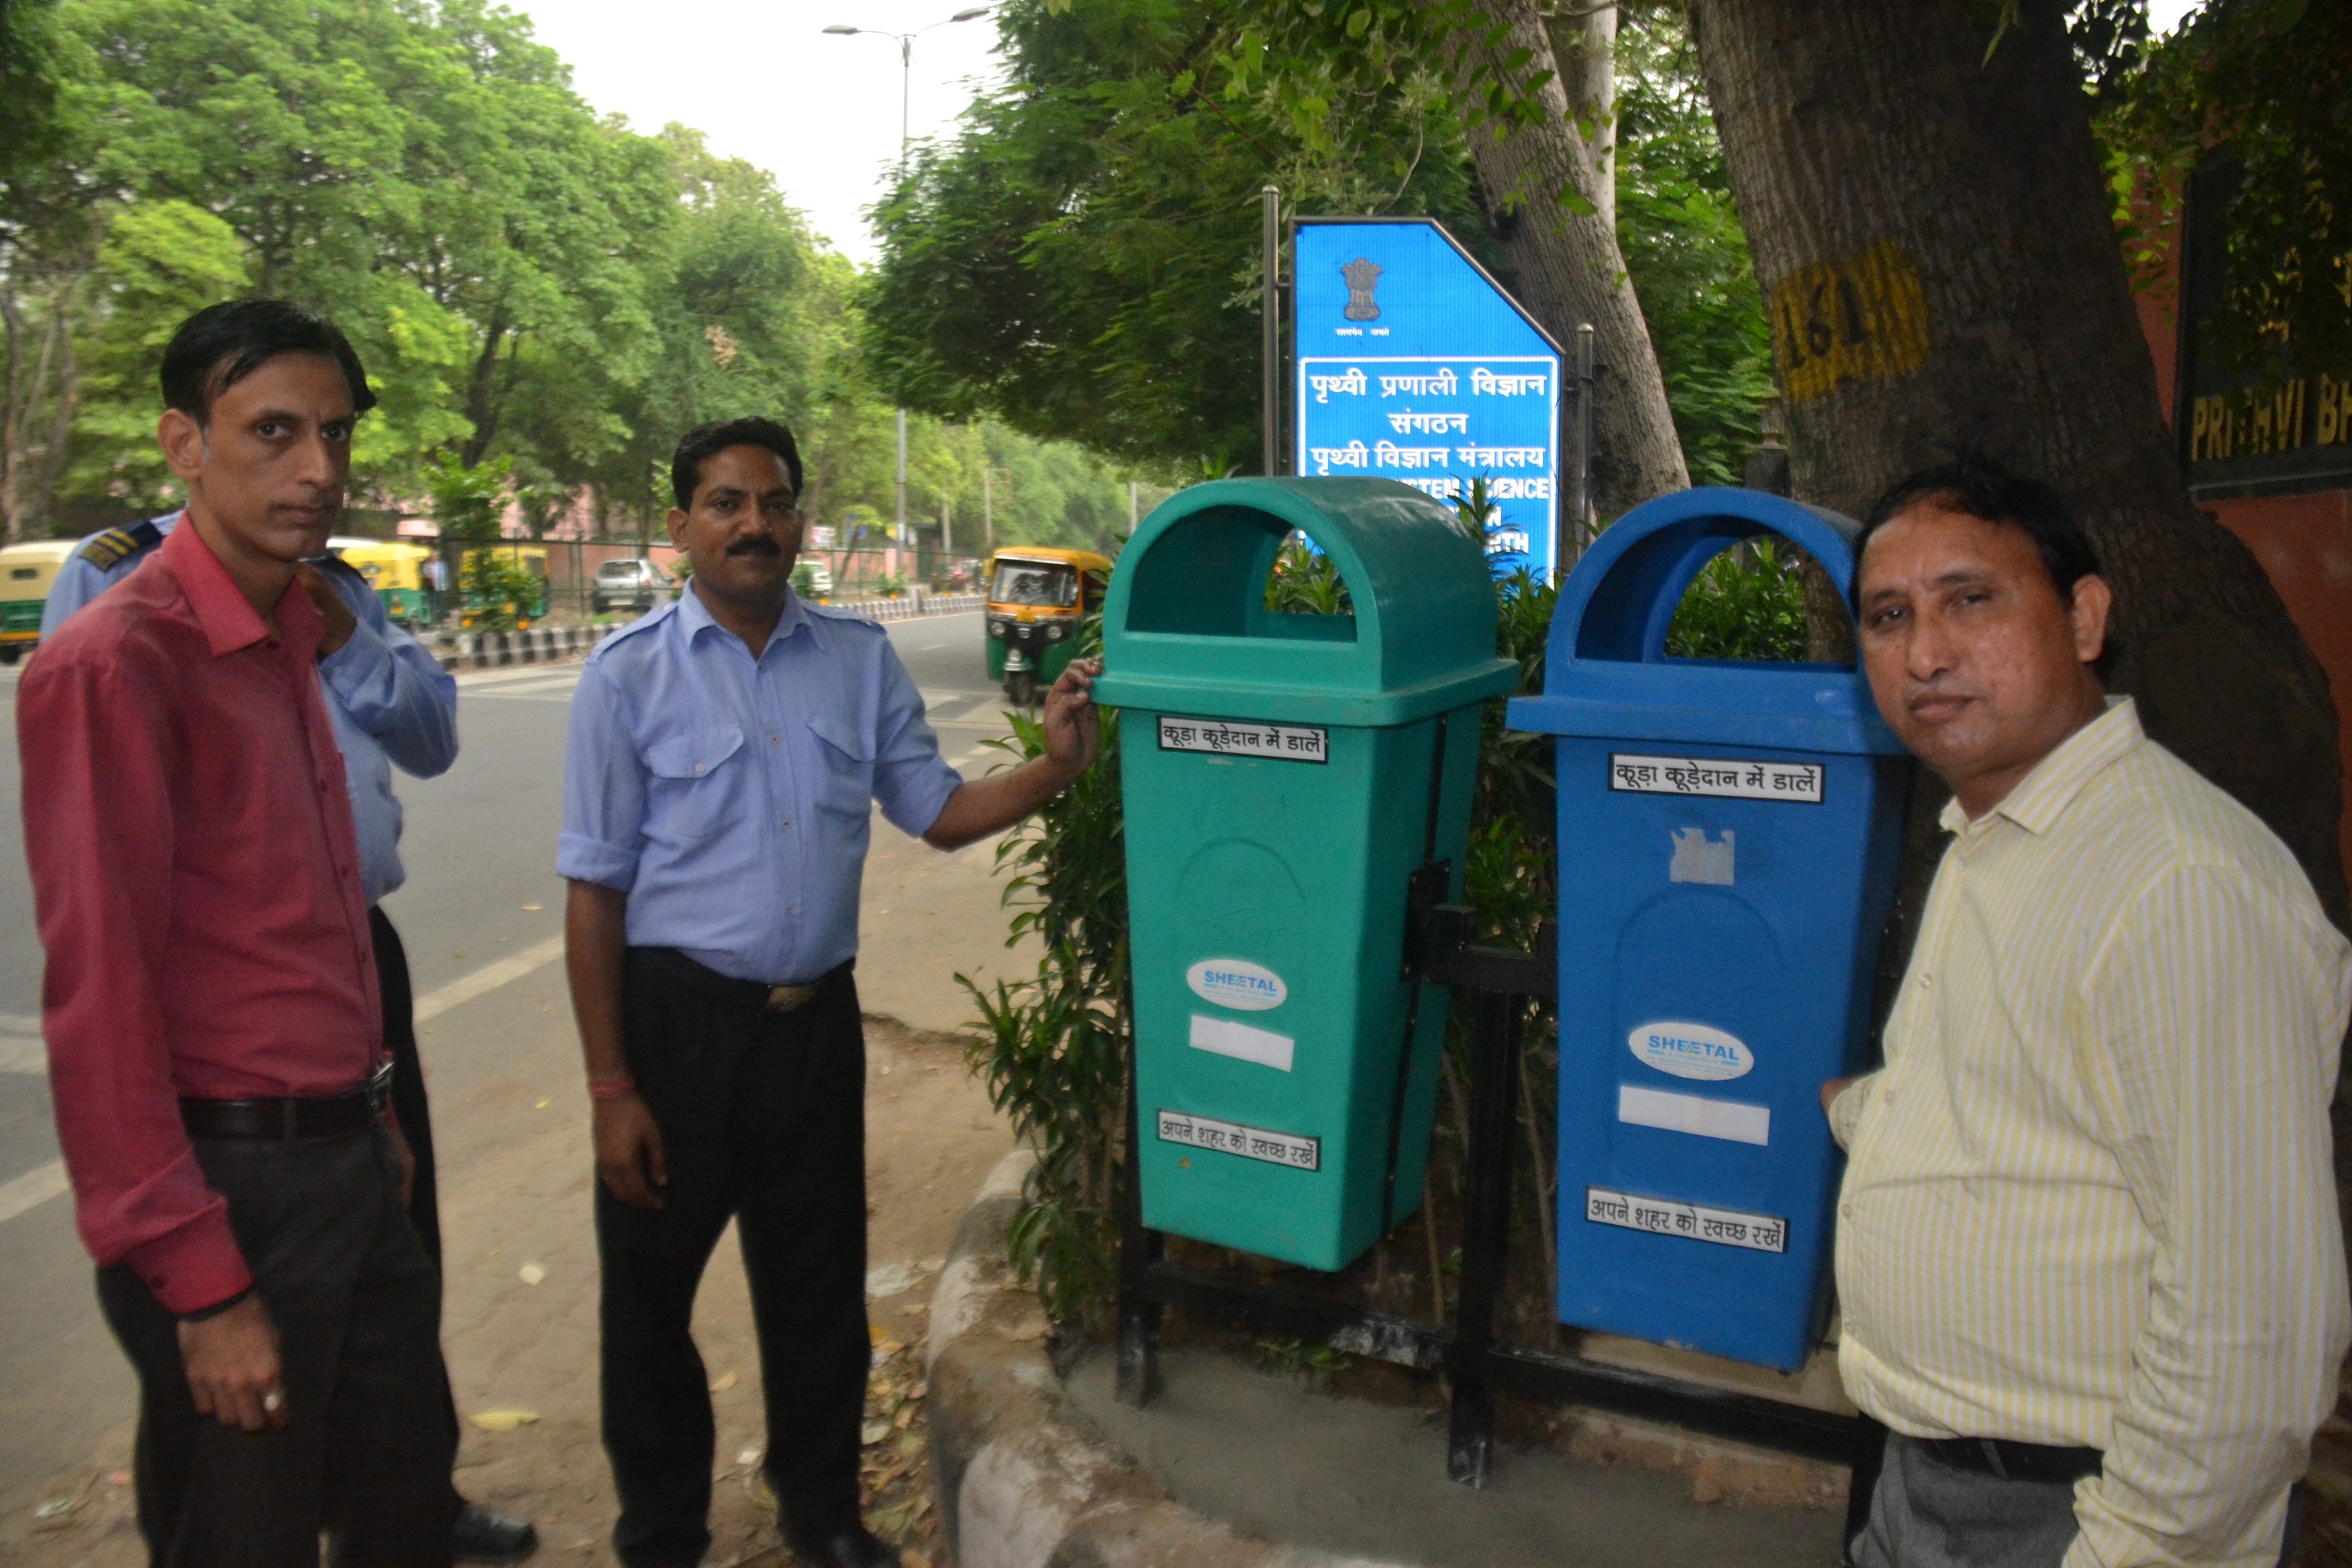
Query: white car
point(629, 584)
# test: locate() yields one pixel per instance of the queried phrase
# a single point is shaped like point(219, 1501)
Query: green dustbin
point(1285, 775)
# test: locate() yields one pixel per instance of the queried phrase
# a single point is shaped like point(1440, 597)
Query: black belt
point(751, 993)
point(2014, 1461)
point(285, 1121)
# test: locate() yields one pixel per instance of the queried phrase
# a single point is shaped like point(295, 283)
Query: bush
point(499, 592)
point(1740, 610)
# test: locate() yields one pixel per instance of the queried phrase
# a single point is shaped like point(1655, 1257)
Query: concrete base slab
point(1352, 1478)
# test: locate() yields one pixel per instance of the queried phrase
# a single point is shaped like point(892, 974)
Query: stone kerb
point(489, 650)
point(1019, 1478)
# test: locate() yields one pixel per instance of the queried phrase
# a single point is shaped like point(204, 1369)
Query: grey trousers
point(1927, 1514)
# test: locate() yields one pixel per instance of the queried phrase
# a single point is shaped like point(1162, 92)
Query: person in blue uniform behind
point(726, 753)
point(390, 701)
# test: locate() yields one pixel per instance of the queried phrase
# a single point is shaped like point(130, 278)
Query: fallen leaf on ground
point(58, 1507)
point(750, 1457)
point(872, 1432)
point(534, 908)
point(531, 1274)
point(502, 1420)
point(542, 1105)
point(725, 1381)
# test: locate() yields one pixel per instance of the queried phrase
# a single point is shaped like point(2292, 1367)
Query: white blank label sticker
point(1227, 1038)
point(1688, 1113)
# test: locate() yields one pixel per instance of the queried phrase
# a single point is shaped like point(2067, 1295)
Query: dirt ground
point(520, 1325)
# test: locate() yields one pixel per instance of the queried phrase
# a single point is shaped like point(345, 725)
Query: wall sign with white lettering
point(1693, 1222)
point(1300, 1153)
point(1725, 776)
point(1234, 738)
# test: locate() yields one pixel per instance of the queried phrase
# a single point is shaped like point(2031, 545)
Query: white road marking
point(26, 1054)
point(488, 978)
point(563, 682)
point(35, 1187)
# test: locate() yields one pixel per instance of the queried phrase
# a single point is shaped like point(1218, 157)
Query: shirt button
point(1927, 981)
point(786, 822)
point(1846, 1209)
point(1890, 1097)
point(773, 740)
point(702, 767)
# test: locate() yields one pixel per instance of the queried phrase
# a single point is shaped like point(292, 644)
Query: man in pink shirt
point(210, 998)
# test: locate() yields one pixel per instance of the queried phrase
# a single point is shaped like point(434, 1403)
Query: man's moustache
point(755, 547)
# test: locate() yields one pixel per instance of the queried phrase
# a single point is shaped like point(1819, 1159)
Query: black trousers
point(357, 1303)
point(408, 1101)
point(415, 1117)
point(762, 1119)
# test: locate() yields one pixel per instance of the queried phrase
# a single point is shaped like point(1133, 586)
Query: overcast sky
point(766, 83)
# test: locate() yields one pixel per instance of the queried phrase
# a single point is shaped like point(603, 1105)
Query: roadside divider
point(491, 650)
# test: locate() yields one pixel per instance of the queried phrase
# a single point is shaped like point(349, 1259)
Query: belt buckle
point(789, 998)
point(379, 1088)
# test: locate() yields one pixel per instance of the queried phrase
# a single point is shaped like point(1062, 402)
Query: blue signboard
point(1413, 364)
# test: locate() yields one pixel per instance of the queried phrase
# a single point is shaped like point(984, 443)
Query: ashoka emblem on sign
point(1361, 276)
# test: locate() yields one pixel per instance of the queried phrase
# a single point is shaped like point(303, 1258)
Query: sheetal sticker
point(1236, 982)
point(1690, 1050)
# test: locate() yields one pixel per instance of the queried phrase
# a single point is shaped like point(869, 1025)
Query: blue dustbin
point(1728, 836)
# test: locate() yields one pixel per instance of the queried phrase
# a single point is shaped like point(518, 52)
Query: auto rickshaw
point(26, 573)
point(524, 608)
point(1037, 597)
point(396, 572)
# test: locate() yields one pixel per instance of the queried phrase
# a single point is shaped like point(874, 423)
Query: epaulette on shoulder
point(108, 550)
point(843, 612)
point(644, 623)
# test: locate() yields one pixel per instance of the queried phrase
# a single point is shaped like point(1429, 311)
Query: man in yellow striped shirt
point(2088, 1251)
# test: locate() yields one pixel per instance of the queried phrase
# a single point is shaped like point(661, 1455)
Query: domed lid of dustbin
point(1186, 629)
point(1606, 670)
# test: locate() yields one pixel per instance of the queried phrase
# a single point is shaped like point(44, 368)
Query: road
point(482, 908)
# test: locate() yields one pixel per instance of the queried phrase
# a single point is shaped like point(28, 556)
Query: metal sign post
point(1412, 364)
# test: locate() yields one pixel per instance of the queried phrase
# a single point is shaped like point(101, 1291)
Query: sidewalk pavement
point(519, 1325)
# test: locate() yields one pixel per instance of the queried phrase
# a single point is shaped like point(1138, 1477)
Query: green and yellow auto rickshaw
point(396, 572)
point(26, 573)
point(1037, 597)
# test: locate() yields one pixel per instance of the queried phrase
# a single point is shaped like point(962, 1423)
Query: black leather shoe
point(851, 1546)
point(484, 1536)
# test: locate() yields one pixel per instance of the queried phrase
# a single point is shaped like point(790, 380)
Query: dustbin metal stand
point(1502, 984)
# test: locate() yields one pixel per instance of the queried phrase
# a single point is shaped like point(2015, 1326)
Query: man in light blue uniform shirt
point(390, 701)
point(725, 755)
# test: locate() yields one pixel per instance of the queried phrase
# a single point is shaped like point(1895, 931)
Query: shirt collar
point(695, 617)
point(2043, 797)
point(229, 622)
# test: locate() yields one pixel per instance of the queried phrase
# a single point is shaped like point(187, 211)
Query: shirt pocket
point(845, 780)
point(693, 755)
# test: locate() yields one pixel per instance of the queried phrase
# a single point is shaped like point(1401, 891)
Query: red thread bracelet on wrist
point(612, 1089)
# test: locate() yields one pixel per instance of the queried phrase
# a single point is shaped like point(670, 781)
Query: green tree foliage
point(1083, 262)
point(1687, 252)
point(540, 294)
point(2270, 81)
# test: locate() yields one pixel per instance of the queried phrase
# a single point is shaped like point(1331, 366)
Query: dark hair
point(704, 442)
point(1977, 487)
point(220, 345)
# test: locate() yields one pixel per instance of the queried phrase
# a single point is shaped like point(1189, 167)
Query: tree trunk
point(1932, 235)
point(1568, 265)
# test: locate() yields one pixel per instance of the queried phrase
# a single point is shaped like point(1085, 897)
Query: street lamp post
point(905, 42)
